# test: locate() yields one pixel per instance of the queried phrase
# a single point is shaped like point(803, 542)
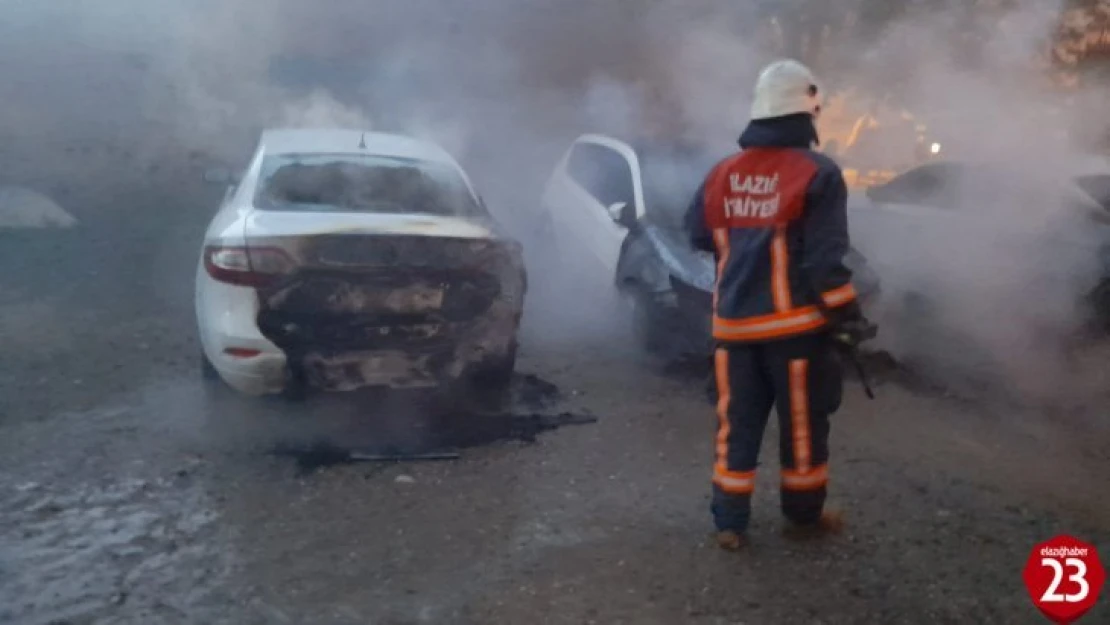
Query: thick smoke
point(507, 85)
point(999, 284)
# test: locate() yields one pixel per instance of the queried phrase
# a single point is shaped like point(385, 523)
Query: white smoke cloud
point(320, 110)
point(506, 86)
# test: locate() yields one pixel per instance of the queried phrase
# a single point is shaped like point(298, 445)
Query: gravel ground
point(132, 492)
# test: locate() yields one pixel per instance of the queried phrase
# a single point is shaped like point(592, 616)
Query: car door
point(594, 196)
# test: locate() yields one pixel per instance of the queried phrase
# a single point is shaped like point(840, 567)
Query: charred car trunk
point(394, 310)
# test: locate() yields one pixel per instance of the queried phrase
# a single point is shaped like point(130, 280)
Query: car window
point(670, 178)
point(363, 184)
point(603, 172)
point(935, 184)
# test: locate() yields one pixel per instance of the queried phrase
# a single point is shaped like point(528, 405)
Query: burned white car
point(623, 204)
point(345, 259)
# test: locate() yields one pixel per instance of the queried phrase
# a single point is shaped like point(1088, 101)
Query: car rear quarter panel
point(225, 313)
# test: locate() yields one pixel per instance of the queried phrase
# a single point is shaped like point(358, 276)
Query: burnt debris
point(458, 432)
point(537, 393)
point(393, 427)
point(323, 454)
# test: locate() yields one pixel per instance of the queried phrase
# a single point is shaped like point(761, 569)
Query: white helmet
point(786, 87)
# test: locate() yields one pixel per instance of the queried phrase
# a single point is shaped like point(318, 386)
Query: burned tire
point(490, 382)
point(497, 375)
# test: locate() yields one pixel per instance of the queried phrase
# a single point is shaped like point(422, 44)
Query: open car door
point(593, 198)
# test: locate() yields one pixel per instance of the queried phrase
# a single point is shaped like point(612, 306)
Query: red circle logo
point(1064, 577)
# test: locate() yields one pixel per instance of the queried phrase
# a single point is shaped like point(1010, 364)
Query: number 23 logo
point(1052, 595)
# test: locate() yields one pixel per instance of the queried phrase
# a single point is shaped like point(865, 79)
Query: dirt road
point(133, 492)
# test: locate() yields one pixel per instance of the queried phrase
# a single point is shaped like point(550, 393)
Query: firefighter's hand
point(850, 333)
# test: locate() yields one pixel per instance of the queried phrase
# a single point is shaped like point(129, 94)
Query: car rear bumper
point(245, 359)
point(265, 374)
point(426, 366)
point(429, 365)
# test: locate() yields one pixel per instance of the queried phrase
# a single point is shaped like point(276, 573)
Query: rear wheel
point(497, 373)
point(490, 381)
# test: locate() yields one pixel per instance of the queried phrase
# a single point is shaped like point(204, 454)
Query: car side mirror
point(619, 213)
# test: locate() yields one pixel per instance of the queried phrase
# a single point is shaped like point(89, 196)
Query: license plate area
point(357, 297)
point(415, 299)
point(417, 332)
point(388, 298)
point(348, 372)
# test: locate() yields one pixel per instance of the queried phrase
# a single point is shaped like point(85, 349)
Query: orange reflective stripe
point(780, 277)
point(768, 326)
point(840, 295)
point(735, 482)
point(724, 394)
point(813, 479)
point(721, 240)
point(806, 313)
point(799, 413)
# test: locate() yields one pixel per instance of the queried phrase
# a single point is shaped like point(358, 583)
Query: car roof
point(349, 141)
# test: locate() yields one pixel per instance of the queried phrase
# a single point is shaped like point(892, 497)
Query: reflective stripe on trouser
point(804, 378)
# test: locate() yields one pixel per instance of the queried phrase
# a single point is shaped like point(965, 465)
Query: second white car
point(615, 209)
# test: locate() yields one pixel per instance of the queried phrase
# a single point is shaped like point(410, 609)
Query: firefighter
point(775, 216)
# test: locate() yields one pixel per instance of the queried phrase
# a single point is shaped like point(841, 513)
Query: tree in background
point(1081, 50)
point(1079, 61)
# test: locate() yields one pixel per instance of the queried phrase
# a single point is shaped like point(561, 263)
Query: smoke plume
point(507, 85)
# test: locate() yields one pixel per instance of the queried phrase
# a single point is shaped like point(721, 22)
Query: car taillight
point(246, 266)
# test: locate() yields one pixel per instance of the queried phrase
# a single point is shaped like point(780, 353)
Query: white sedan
point(342, 259)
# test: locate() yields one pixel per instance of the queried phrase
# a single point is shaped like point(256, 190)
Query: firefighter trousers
point(802, 378)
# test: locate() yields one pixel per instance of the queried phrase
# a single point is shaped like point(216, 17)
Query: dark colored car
point(1049, 229)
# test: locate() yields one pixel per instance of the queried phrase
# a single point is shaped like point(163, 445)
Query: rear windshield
point(363, 184)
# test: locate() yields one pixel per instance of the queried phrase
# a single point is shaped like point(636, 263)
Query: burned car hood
point(696, 268)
